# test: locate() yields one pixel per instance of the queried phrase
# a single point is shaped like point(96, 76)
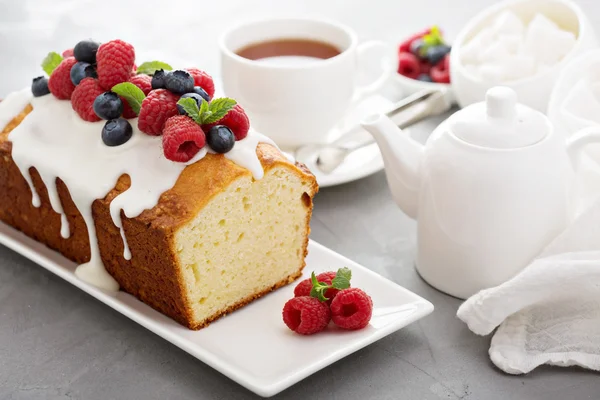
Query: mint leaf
point(313, 279)
point(342, 279)
point(150, 67)
point(437, 35)
point(51, 61)
point(191, 108)
point(316, 294)
point(318, 289)
point(344, 272)
point(341, 283)
point(204, 112)
point(319, 294)
point(218, 108)
point(131, 93)
point(433, 38)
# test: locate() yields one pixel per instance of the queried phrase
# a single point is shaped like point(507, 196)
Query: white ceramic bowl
point(533, 91)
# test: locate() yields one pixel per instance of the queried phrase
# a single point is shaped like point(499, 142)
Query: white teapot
point(491, 187)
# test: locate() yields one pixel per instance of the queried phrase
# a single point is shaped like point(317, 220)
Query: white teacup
point(295, 103)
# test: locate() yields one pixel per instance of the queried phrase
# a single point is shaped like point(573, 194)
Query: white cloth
point(550, 312)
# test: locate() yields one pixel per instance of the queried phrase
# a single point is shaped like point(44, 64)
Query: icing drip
point(244, 153)
point(50, 182)
point(35, 197)
point(59, 144)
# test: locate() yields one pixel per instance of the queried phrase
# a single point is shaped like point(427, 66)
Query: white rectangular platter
point(252, 346)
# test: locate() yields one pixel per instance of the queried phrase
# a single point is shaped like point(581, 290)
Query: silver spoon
point(405, 113)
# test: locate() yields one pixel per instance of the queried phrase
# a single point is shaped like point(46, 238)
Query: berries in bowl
point(423, 61)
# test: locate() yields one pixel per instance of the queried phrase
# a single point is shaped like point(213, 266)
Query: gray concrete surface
point(58, 343)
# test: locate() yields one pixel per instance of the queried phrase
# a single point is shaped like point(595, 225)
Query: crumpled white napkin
point(550, 312)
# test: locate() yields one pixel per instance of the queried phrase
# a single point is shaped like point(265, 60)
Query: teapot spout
point(402, 158)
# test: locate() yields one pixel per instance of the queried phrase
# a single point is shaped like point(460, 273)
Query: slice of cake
point(151, 184)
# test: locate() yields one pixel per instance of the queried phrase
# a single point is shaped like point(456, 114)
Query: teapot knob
point(501, 103)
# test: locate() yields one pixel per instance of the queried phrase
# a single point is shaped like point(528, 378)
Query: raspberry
point(157, 107)
point(236, 120)
point(83, 98)
point(115, 61)
point(425, 67)
point(409, 65)
point(440, 73)
point(182, 138)
point(203, 80)
point(351, 309)
point(143, 81)
point(60, 84)
point(327, 277)
point(303, 288)
point(67, 53)
point(306, 315)
point(128, 112)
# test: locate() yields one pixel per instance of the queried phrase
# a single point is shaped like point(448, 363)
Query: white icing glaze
point(244, 153)
point(59, 144)
point(13, 105)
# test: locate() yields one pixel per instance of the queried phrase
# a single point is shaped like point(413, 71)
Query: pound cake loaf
point(152, 185)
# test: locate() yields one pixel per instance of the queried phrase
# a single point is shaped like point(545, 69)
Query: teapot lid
point(500, 122)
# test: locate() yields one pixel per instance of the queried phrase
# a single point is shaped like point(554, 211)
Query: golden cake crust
point(152, 275)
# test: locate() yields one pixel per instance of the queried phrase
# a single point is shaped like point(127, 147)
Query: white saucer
point(360, 163)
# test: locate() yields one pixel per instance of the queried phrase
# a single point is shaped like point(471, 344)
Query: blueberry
point(424, 78)
point(220, 138)
point(39, 86)
point(116, 132)
point(179, 82)
point(416, 47)
point(82, 70)
point(201, 92)
point(108, 106)
point(194, 96)
point(158, 79)
point(86, 51)
point(436, 54)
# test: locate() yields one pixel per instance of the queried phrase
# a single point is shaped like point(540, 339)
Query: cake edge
point(220, 314)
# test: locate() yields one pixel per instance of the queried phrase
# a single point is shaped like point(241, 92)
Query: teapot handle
point(577, 142)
